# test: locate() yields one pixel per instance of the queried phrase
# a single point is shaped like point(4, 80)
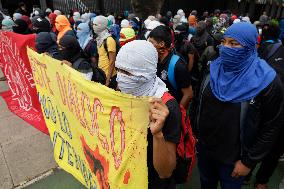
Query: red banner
point(21, 97)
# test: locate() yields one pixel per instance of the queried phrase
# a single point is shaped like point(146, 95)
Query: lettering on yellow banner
point(98, 135)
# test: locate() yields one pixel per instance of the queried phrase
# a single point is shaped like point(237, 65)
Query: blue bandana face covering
point(233, 59)
point(239, 75)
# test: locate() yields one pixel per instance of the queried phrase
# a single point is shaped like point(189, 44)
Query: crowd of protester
point(227, 72)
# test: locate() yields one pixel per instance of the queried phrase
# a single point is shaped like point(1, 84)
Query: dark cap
point(41, 25)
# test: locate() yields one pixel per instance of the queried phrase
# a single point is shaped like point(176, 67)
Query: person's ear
point(162, 44)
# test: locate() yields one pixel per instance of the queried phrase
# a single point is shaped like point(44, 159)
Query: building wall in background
point(274, 8)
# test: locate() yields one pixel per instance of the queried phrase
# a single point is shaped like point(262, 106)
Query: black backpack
point(106, 48)
point(98, 74)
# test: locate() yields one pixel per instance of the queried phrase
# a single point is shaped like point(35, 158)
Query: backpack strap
point(273, 50)
point(167, 97)
point(171, 71)
point(105, 46)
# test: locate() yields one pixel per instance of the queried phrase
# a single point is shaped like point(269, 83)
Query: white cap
point(57, 12)
point(48, 10)
point(152, 25)
point(124, 23)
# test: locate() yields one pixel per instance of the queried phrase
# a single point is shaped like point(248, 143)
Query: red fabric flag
point(21, 98)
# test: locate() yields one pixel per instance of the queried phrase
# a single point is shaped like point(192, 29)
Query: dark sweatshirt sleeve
point(271, 121)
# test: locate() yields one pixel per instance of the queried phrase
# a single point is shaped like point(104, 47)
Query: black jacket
point(264, 117)
point(274, 59)
point(240, 131)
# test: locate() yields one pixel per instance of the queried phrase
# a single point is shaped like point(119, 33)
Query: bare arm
point(164, 153)
point(164, 156)
point(94, 61)
point(112, 56)
point(187, 96)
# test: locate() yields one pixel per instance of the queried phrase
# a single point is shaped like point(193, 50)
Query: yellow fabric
point(99, 135)
point(103, 57)
point(126, 34)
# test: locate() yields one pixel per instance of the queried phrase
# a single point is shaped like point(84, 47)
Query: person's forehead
point(229, 39)
point(151, 40)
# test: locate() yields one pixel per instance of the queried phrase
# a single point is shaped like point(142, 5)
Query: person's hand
point(66, 62)
point(158, 115)
point(240, 170)
point(107, 82)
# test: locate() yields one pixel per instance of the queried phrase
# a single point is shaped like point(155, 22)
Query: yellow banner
point(99, 135)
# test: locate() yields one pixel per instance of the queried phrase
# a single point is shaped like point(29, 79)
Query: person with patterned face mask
point(240, 111)
point(137, 66)
point(106, 49)
point(177, 79)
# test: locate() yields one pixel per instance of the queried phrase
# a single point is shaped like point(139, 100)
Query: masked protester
point(7, 24)
point(125, 24)
point(70, 50)
point(181, 13)
point(46, 43)
point(169, 16)
point(183, 46)
point(87, 43)
point(47, 12)
point(210, 53)
point(77, 20)
point(85, 18)
point(240, 111)
point(106, 50)
point(52, 18)
point(209, 25)
point(201, 40)
point(21, 27)
point(63, 27)
point(28, 21)
point(83, 35)
point(57, 12)
point(152, 25)
point(161, 38)
point(17, 16)
point(192, 21)
point(176, 21)
point(137, 76)
point(41, 25)
point(113, 28)
point(126, 35)
point(135, 25)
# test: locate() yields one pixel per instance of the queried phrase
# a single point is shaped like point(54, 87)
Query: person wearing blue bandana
point(240, 111)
